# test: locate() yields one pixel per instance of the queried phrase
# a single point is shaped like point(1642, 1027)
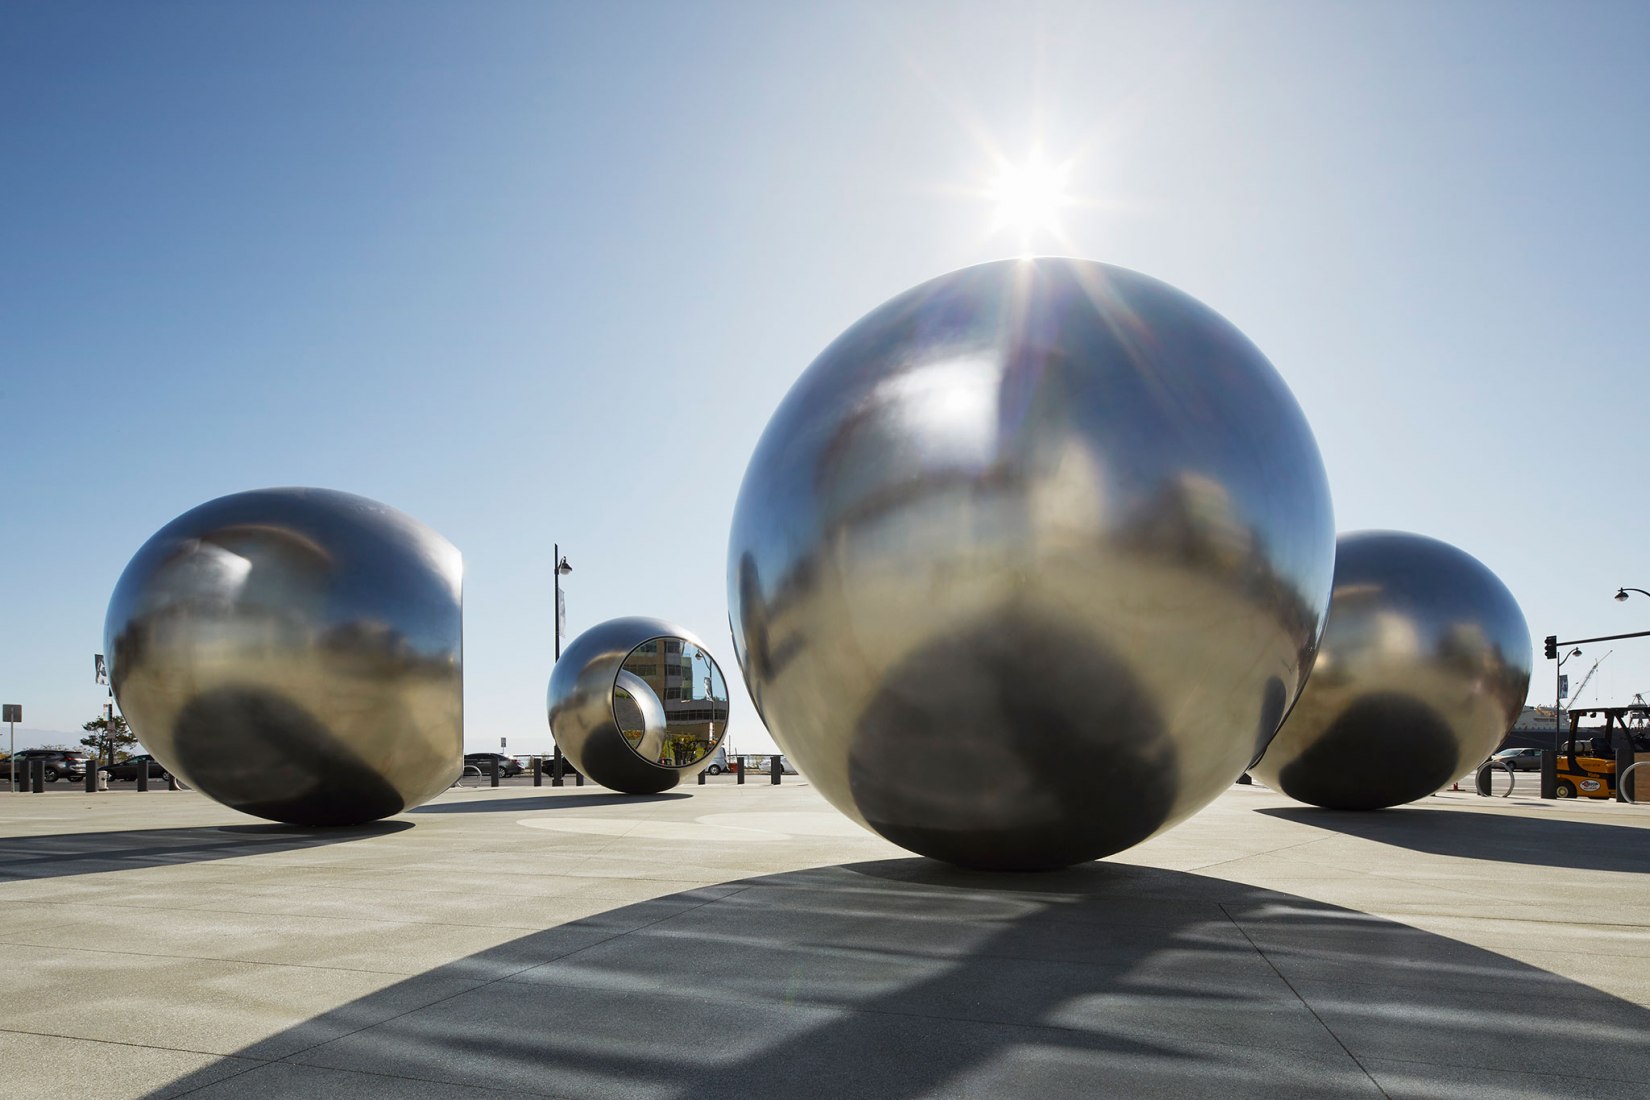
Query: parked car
point(128, 769)
point(60, 764)
point(483, 761)
point(1519, 760)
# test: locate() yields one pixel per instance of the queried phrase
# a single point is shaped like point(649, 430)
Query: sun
point(1027, 198)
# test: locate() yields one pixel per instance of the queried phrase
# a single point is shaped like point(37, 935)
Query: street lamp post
point(1621, 593)
point(561, 570)
point(1558, 698)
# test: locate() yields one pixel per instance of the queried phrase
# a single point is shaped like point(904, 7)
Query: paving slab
point(729, 941)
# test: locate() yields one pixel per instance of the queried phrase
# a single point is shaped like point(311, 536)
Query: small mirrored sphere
point(1424, 666)
point(638, 705)
point(1030, 563)
point(296, 654)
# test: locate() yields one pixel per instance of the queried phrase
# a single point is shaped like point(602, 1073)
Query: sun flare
point(1028, 197)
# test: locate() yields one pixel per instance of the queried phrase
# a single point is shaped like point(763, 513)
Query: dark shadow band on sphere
point(1040, 751)
point(243, 743)
point(611, 762)
point(1384, 750)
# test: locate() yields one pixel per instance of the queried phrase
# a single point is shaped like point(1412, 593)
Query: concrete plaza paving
point(734, 941)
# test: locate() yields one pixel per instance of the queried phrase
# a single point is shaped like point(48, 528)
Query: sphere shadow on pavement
point(1552, 842)
point(24, 858)
point(906, 978)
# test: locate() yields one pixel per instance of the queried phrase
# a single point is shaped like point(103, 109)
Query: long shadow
point(1541, 842)
point(544, 802)
point(24, 858)
point(905, 978)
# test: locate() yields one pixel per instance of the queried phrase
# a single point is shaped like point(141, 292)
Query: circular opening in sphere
point(670, 701)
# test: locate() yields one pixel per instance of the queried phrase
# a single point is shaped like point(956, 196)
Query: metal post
point(171, 782)
point(1558, 701)
point(11, 759)
point(557, 768)
point(742, 760)
point(776, 764)
point(143, 776)
point(1549, 773)
point(91, 779)
point(578, 779)
point(538, 771)
point(37, 780)
point(701, 777)
point(494, 762)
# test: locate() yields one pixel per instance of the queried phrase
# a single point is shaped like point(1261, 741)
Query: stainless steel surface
point(1424, 667)
point(1030, 563)
point(638, 712)
point(589, 717)
point(296, 654)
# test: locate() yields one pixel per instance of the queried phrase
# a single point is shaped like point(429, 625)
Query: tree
point(108, 737)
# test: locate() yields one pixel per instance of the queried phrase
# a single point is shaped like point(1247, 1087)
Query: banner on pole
point(100, 668)
point(561, 612)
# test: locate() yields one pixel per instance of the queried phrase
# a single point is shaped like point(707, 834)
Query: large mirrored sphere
point(638, 704)
point(1424, 666)
point(1030, 563)
point(296, 654)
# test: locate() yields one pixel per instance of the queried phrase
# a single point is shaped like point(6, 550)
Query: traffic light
point(1552, 647)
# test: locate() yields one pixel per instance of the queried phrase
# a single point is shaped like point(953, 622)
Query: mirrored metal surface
point(1424, 667)
point(639, 714)
point(638, 704)
point(296, 654)
point(1030, 563)
point(692, 698)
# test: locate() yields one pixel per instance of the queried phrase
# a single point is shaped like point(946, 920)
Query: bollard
point(538, 771)
point(776, 764)
point(171, 782)
point(143, 776)
point(1549, 773)
point(578, 779)
point(556, 769)
point(495, 770)
point(37, 776)
point(102, 779)
point(91, 778)
point(741, 761)
point(701, 777)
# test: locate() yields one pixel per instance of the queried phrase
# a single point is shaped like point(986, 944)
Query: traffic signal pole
point(1553, 646)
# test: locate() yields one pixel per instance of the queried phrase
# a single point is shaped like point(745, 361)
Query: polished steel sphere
point(296, 654)
point(1030, 563)
point(1424, 666)
point(638, 704)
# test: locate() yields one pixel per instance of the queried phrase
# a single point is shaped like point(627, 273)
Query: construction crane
point(1575, 696)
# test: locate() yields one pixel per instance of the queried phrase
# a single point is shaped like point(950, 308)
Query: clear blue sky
point(535, 272)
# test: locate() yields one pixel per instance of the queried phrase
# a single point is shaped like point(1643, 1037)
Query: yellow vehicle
point(1589, 770)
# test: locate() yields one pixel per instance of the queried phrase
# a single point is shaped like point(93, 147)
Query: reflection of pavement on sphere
point(1214, 630)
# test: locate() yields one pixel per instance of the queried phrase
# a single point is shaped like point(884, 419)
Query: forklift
point(1590, 770)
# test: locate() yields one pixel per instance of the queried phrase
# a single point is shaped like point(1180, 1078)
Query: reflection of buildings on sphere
point(695, 702)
